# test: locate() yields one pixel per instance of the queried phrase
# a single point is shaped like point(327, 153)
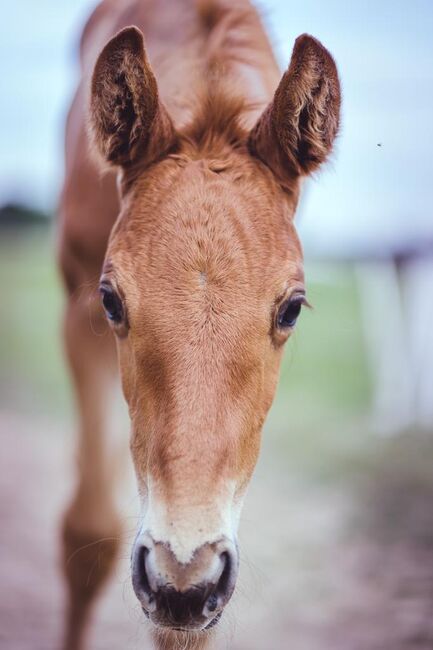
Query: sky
point(376, 191)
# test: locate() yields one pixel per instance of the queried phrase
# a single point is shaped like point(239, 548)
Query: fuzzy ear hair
point(128, 121)
point(296, 132)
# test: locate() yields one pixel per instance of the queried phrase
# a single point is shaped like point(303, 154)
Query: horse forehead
point(201, 236)
point(201, 192)
point(211, 221)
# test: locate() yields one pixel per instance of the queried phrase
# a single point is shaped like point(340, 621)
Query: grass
point(324, 388)
point(32, 374)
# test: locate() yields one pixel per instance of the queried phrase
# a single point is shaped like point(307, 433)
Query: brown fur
point(128, 120)
point(210, 151)
point(296, 132)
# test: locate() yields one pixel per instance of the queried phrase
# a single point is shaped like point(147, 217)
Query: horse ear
point(296, 132)
point(128, 121)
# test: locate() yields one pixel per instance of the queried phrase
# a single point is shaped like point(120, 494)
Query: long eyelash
point(306, 303)
point(302, 298)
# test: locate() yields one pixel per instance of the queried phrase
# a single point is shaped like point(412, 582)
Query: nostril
point(224, 588)
point(212, 602)
point(142, 555)
point(141, 579)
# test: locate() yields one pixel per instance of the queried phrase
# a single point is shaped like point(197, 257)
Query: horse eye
point(289, 311)
point(112, 304)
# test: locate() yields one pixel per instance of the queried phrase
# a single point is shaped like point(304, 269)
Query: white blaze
point(186, 525)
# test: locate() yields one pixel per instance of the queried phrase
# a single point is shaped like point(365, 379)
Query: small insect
point(379, 144)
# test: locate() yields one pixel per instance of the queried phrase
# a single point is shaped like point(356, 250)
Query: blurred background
point(337, 535)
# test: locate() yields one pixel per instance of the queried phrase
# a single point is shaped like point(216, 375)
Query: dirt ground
point(341, 564)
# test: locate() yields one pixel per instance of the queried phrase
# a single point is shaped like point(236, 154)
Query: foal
point(189, 241)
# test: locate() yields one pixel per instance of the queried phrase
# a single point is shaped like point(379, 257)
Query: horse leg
point(91, 526)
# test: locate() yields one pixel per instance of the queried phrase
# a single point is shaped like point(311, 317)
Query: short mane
point(218, 118)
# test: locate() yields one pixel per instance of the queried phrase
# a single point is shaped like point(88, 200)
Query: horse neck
point(194, 43)
point(189, 43)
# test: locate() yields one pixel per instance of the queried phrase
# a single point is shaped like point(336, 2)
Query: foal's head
point(202, 285)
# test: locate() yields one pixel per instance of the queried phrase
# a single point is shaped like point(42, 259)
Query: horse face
point(202, 284)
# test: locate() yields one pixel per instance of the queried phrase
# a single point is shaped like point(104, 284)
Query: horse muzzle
point(184, 596)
